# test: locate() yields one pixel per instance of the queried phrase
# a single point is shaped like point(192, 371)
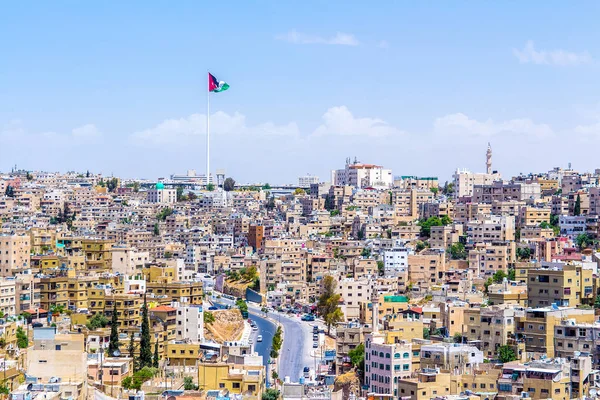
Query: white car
point(259, 338)
point(255, 328)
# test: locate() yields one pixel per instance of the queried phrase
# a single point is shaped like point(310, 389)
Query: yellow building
point(533, 216)
point(181, 353)
point(537, 325)
point(237, 379)
point(98, 255)
point(560, 284)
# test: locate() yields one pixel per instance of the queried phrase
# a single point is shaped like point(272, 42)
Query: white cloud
point(461, 124)
point(553, 57)
point(340, 121)
point(340, 38)
point(16, 131)
point(383, 44)
point(184, 130)
point(88, 131)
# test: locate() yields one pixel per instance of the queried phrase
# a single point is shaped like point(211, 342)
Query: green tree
point(511, 274)
point(229, 185)
point(334, 213)
point(360, 234)
point(29, 176)
point(164, 213)
point(179, 193)
point(597, 302)
point(156, 230)
point(266, 186)
point(357, 355)
point(329, 202)
point(145, 359)
point(328, 304)
point(434, 190)
point(577, 207)
point(10, 191)
point(188, 383)
point(366, 252)
point(457, 338)
point(22, 339)
point(155, 356)
point(523, 253)
point(448, 188)
point(131, 346)
point(499, 276)
point(506, 354)
point(457, 251)
point(299, 191)
point(583, 241)
point(270, 203)
point(113, 343)
point(270, 394)
point(112, 184)
point(433, 221)
point(554, 220)
point(380, 268)
point(210, 187)
point(426, 333)
point(209, 317)
point(98, 320)
point(487, 284)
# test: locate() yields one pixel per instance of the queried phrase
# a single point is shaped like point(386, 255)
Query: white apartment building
point(575, 225)
point(491, 228)
point(134, 285)
point(8, 296)
point(396, 260)
point(362, 176)
point(306, 181)
point(353, 293)
point(385, 364)
point(190, 322)
point(127, 260)
point(465, 180)
point(162, 195)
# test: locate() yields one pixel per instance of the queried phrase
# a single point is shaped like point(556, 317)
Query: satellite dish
point(116, 353)
point(593, 392)
point(224, 358)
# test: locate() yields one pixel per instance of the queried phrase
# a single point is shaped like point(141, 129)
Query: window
point(235, 385)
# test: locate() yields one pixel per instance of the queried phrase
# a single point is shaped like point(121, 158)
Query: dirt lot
point(228, 326)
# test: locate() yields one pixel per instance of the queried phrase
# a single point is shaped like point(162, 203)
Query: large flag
point(215, 85)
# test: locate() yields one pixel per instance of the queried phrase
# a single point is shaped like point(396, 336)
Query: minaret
point(375, 309)
point(488, 162)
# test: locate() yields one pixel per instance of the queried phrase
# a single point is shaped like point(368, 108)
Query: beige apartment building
point(426, 268)
point(14, 254)
point(537, 325)
point(491, 228)
point(534, 216)
point(485, 259)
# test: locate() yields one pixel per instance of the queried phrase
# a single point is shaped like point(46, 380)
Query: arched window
point(406, 355)
point(397, 355)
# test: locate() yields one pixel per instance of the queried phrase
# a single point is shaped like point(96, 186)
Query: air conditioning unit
point(524, 395)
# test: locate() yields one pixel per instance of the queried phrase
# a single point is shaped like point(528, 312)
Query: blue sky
point(417, 87)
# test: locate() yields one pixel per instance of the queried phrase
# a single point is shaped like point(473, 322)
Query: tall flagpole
point(208, 132)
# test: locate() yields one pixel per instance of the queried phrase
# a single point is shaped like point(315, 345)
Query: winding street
point(296, 350)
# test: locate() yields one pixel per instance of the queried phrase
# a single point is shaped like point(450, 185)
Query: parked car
point(315, 329)
point(254, 328)
point(315, 344)
point(212, 308)
point(315, 336)
point(306, 372)
point(308, 317)
point(259, 338)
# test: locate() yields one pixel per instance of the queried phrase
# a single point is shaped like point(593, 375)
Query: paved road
point(297, 345)
point(265, 328)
